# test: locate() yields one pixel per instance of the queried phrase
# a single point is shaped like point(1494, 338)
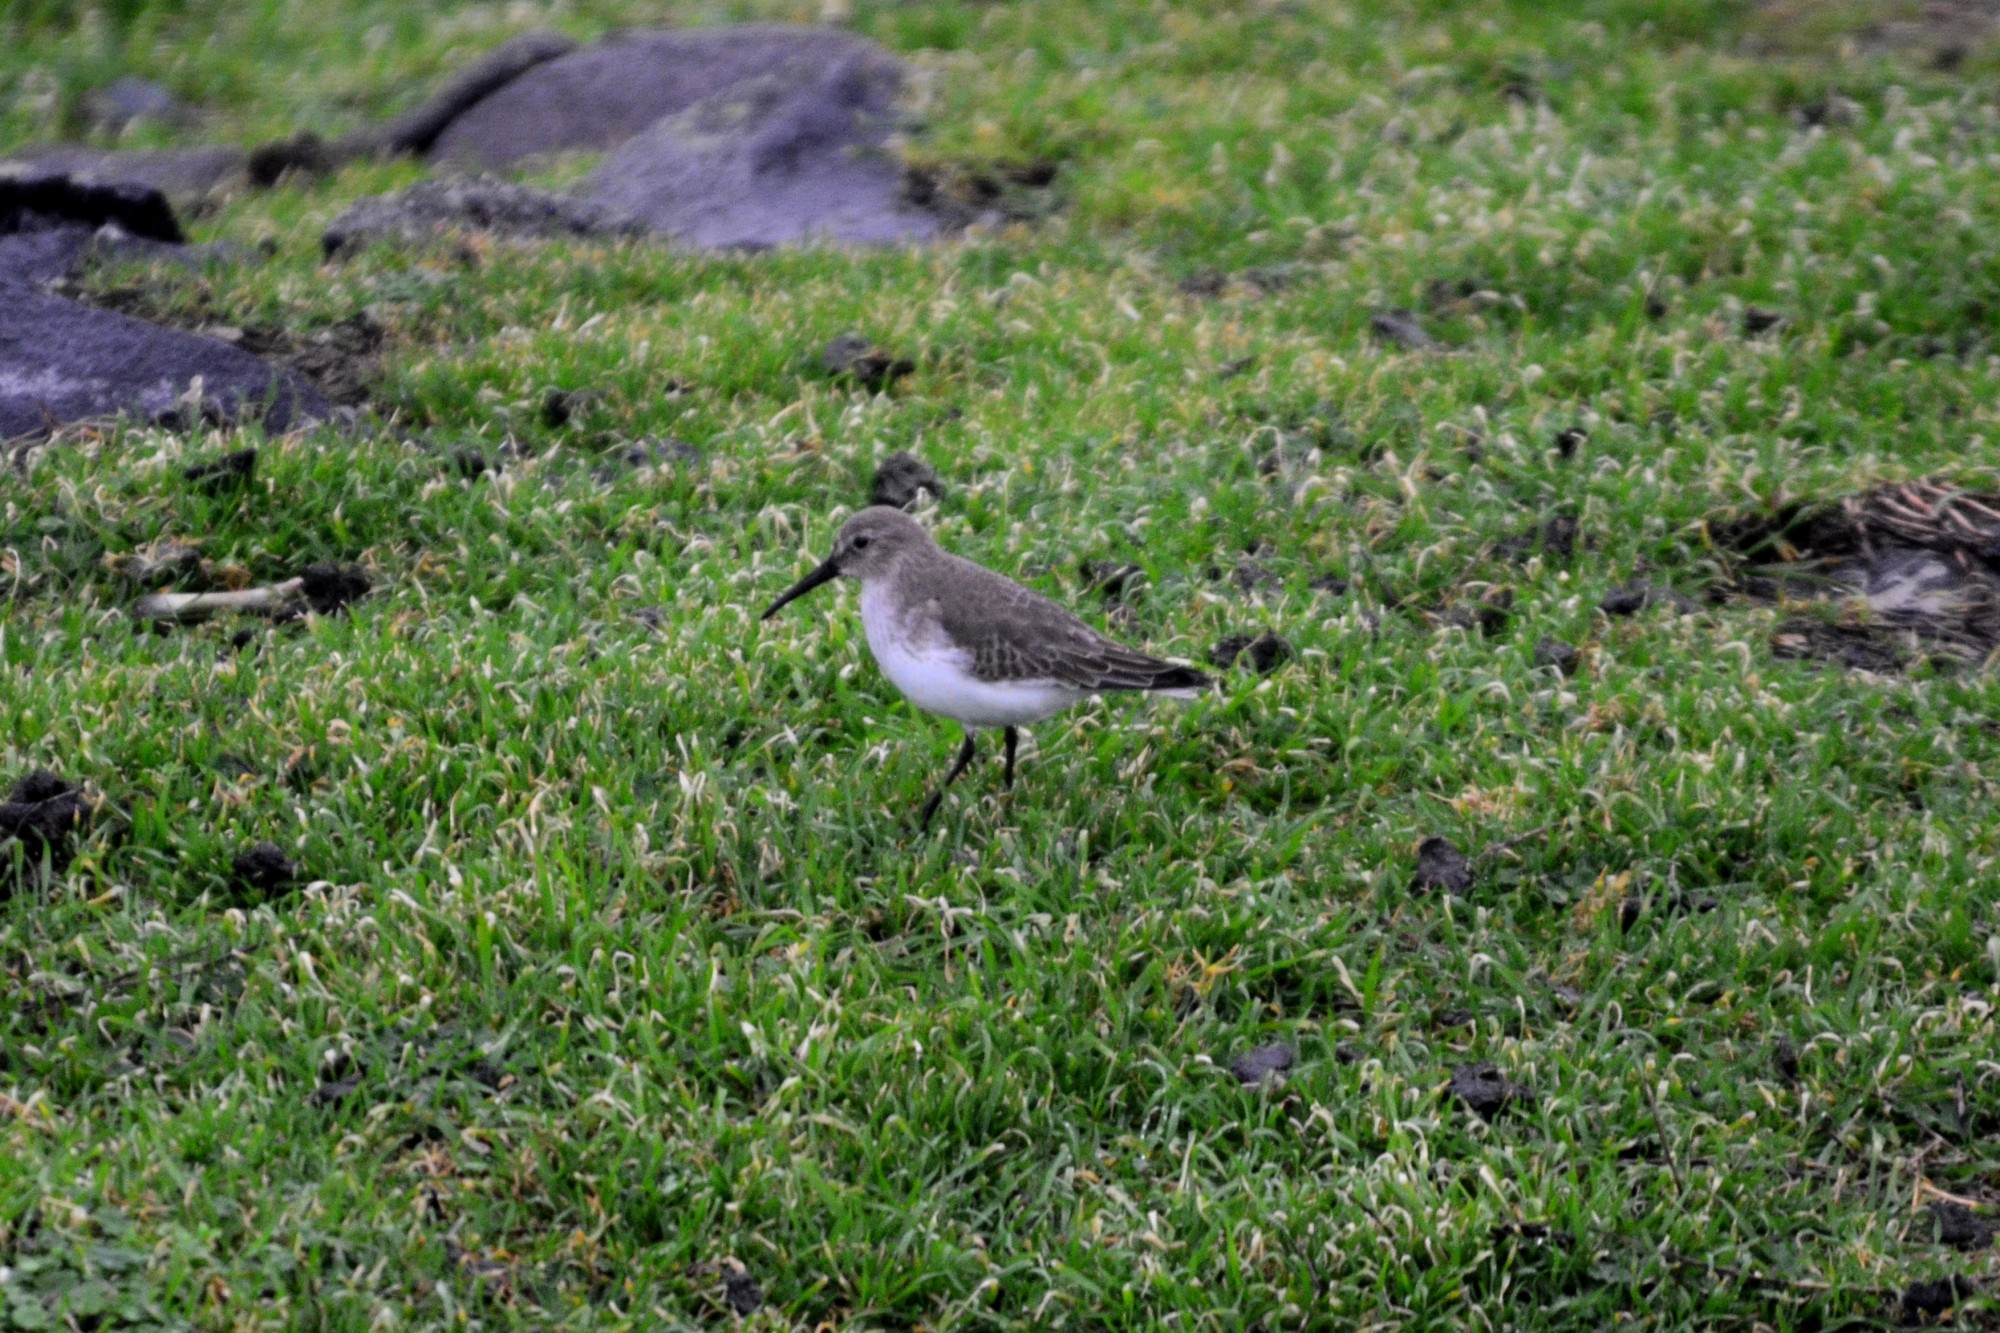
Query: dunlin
point(966, 643)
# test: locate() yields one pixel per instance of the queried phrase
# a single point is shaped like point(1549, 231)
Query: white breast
point(936, 675)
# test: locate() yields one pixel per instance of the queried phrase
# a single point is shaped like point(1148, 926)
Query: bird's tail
point(1179, 682)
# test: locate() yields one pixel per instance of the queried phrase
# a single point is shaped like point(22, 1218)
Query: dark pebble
point(1570, 440)
point(1785, 1059)
point(1256, 1067)
point(1265, 652)
point(1484, 1090)
point(221, 474)
point(1637, 595)
point(1552, 652)
point(743, 1293)
point(263, 866)
point(1758, 320)
point(901, 479)
point(1441, 866)
point(563, 407)
point(329, 586)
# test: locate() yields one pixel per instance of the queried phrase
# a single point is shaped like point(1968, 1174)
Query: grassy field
point(617, 990)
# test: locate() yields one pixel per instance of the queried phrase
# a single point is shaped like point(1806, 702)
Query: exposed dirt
point(1959, 1227)
point(225, 473)
point(1909, 572)
point(966, 194)
point(1929, 1302)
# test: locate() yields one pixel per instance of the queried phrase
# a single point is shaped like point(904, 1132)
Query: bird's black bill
point(826, 573)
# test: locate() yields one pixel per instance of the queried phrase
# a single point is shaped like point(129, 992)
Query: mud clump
point(40, 815)
point(1929, 1302)
point(1639, 595)
point(1264, 652)
point(902, 479)
point(263, 868)
point(1440, 865)
point(1960, 1227)
point(1485, 1091)
point(329, 587)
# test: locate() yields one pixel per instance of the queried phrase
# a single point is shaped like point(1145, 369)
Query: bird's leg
point(1013, 735)
point(965, 752)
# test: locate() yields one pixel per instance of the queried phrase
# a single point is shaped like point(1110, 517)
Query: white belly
point(935, 674)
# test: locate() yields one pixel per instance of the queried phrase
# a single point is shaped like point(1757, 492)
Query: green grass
point(660, 886)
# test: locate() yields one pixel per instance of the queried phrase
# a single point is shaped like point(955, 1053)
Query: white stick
point(188, 606)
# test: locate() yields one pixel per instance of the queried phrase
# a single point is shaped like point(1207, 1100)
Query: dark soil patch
point(743, 1293)
point(263, 868)
point(1485, 1090)
point(1440, 865)
point(1568, 441)
point(1960, 1227)
point(902, 479)
point(1785, 1059)
point(437, 210)
point(1639, 595)
point(1553, 652)
point(1260, 1065)
point(984, 194)
point(1911, 571)
point(40, 815)
point(225, 473)
point(1264, 652)
point(851, 356)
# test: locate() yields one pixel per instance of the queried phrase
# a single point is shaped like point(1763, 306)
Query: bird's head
point(870, 546)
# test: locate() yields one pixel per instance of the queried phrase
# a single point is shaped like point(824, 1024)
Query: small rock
point(743, 1293)
point(263, 866)
point(1785, 1059)
point(853, 356)
point(1403, 329)
point(1570, 440)
point(329, 586)
point(1553, 652)
point(1256, 1067)
point(1265, 652)
point(329, 1094)
point(1440, 865)
point(1929, 1302)
point(1484, 1090)
point(1960, 1227)
point(230, 470)
point(901, 478)
point(127, 100)
point(1757, 320)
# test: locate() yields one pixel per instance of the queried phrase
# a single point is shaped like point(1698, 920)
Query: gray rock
point(129, 100)
point(432, 208)
point(599, 96)
point(62, 362)
point(417, 130)
point(796, 154)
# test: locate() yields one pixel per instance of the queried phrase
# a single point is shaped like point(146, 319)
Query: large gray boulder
point(182, 174)
point(799, 153)
point(597, 97)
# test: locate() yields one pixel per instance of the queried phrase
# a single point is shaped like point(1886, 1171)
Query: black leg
point(937, 797)
point(1013, 735)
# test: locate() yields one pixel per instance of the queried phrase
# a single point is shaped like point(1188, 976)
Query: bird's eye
point(861, 543)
